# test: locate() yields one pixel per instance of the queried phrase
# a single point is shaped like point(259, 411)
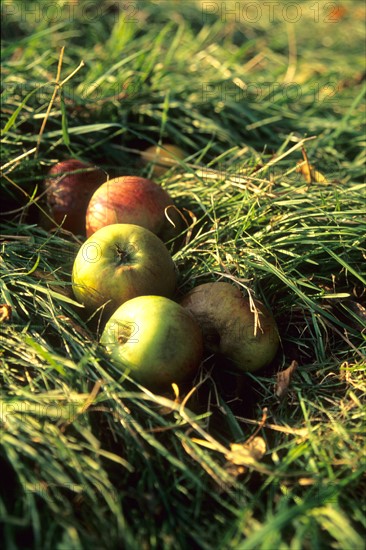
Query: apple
point(69, 186)
point(246, 335)
point(155, 341)
point(163, 157)
point(120, 262)
point(131, 199)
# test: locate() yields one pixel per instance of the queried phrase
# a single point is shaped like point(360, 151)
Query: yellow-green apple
point(69, 186)
point(241, 329)
point(131, 199)
point(155, 341)
point(120, 262)
point(162, 157)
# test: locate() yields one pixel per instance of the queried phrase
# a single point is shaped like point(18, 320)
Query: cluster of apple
point(125, 269)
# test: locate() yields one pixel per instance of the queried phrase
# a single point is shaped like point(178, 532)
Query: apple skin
point(230, 328)
point(131, 199)
point(155, 340)
point(69, 186)
point(120, 262)
point(163, 157)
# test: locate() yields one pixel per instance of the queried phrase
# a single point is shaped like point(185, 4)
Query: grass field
point(267, 101)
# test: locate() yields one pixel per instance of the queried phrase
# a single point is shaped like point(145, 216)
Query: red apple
point(69, 187)
point(243, 331)
point(131, 199)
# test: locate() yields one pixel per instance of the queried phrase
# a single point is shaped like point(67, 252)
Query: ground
point(267, 102)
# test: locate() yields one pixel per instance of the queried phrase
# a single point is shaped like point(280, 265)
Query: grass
point(90, 459)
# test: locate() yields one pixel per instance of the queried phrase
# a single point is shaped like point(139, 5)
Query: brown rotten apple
point(69, 187)
point(163, 157)
point(131, 199)
point(244, 332)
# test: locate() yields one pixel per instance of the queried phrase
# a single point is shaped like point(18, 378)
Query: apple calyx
point(124, 257)
point(124, 333)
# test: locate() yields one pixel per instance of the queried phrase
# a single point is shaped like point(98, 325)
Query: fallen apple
point(131, 199)
point(162, 157)
point(69, 186)
point(154, 340)
point(243, 331)
point(120, 262)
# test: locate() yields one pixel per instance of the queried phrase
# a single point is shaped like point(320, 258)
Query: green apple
point(119, 262)
point(155, 341)
point(243, 331)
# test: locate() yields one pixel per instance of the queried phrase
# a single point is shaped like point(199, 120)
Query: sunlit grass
point(88, 457)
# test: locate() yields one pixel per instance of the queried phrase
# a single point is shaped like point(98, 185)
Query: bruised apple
point(131, 199)
point(162, 157)
point(244, 332)
point(155, 341)
point(69, 186)
point(120, 262)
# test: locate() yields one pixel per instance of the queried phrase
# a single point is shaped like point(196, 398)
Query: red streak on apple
point(69, 187)
point(133, 200)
